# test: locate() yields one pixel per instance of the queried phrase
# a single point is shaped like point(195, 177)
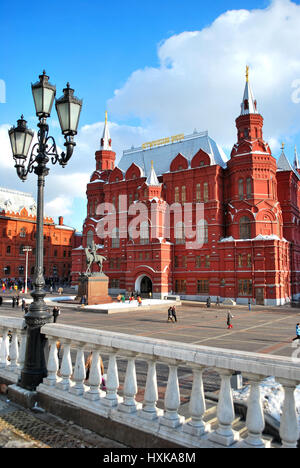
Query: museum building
point(250, 230)
point(18, 230)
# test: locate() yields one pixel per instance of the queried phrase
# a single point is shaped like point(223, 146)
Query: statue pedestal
point(95, 288)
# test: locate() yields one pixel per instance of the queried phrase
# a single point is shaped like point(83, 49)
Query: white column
point(52, 366)
point(112, 382)
point(255, 420)
point(79, 373)
point(224, 434)
point(289, 429)
point(66, 367)
point(95, 378)
point(171, 417)
point(197, 406)
point(149, 410)
point(4, 348)
point(129, 404)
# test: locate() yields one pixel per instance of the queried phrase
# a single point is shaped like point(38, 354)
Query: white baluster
point(14, 352)
point(149, 410)
point(255, 420)
point(171, 417)
point(52, 366)
point(289, 429)
point(225, 435)
point(112, 382)
point(66, 367)
point(79, 373)
point(129, 404)
point(95, 378)
point(4, 349)
point(197, 406)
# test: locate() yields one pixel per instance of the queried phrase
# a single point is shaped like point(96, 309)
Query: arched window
point(245, 228)
point(115, 238)
point(144, 233)
point(89, 238)
point(23, 232)
point(179, 233)
point(176, 197)
point(202, 231)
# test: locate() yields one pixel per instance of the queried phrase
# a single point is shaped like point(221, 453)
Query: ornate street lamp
point(68, 108)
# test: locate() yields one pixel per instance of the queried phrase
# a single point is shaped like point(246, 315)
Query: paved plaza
point(261, 330)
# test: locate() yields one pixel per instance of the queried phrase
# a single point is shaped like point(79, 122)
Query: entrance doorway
point(143, 285)
point(259, 296)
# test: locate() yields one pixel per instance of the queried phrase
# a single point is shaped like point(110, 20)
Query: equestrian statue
point(92, 257)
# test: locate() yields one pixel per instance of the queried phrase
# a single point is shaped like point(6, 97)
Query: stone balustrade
point(66, 384)
point(12, 347)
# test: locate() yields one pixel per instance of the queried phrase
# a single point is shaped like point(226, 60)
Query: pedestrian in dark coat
point(208, 302)
point(174, 313)
point(55, 313)
point(1, 300)
point(13, 302)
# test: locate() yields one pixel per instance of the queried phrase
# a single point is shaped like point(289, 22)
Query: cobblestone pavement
point(22, 428)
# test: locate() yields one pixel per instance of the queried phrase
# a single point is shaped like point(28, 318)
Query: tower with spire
point(251, 190)
point(105, 156)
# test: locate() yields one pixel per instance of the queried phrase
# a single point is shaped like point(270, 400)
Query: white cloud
point(198, 84)
point(200, 80)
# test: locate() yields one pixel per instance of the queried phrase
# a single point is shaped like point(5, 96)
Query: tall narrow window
point(202, 232)
point(89, 238)
point(248, 187)
point(179, 233)
point(205, 192)
point(115, 240)
point(183, 194)
point(241, 189)
point(198, 193)
point(144, 233)
point(245, 228)
point(176, 196)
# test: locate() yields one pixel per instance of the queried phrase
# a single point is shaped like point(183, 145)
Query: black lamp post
point(68, 109)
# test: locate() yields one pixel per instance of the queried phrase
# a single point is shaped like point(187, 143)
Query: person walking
point(23, 304)
point(297, 337)
point(218, 301)
point(1, 300)
point(208, 302)
point(13, 302)
point(249, 304)
point(174, 313)
point(55, 313)
point(229, 317)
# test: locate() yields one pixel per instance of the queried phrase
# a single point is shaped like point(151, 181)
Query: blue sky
point(137, 48)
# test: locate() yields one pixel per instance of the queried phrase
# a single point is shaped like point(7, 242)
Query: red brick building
point(250, 231)
point(18, 229)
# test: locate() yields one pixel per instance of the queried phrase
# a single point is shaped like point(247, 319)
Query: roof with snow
point(283, 164)
point(163, 155)
point(14, 201)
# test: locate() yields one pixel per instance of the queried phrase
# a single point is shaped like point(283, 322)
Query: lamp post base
point(35, 368)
